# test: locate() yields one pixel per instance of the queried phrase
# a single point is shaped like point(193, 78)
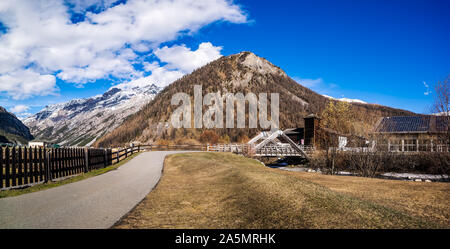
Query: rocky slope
point(12, 130)
point(244, 72)
point(80, 122)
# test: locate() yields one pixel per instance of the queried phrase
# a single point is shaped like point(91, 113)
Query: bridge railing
point(267, 150)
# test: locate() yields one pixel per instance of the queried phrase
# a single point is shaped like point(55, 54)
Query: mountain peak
point(257, 63)
point(80, 121)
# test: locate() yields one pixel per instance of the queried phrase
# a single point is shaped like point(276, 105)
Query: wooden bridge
point(267, 144)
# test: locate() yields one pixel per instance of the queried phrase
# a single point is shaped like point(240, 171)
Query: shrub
point(209, 136)
point(370, 164)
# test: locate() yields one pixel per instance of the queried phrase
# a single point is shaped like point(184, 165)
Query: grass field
point(76, 178)
point(218, 190)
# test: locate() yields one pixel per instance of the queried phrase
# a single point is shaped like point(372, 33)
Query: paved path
point(97, 202)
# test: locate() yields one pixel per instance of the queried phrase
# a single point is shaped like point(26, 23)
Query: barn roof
point(412, 124)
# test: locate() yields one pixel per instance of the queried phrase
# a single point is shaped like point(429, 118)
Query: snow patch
point(346, 99)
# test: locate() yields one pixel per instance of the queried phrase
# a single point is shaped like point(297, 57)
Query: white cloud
point(427, 92)
point(20, 109)
point(309, 82)
point(181, 57)
point(161, 76)
point(180, 61)
point(22, 84)
point(43, 41)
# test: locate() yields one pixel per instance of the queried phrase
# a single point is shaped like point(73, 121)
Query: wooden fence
point(25, 166)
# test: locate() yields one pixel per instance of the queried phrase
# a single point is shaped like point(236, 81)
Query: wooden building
point(321, 138)
point(413, 134)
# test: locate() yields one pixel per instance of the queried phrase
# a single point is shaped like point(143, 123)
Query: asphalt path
point(97, 202)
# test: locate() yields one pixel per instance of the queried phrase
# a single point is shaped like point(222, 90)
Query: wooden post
point(19, 162)
point(86, 160)
point(47, 166)
point(105, 158)
point(118, 159)
point(1, 167)
point(7, 166)
point(13, 166)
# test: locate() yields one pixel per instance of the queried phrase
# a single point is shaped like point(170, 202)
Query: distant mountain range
point(244, 72)
point(80, 122)
point(12, 130)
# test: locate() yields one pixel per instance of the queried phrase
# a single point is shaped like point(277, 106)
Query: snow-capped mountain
point(347, 100)
point(80, 122)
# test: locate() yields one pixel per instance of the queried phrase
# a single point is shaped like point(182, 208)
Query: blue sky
point(383, 52)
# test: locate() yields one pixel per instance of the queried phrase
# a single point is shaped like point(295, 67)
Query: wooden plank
point(7, 167)
point(58, 162)
point(36, 165)
point(19, 161)
point(1, 167)
point(79, 162)
point(55, 163)
point(25, 165)
point(74, 158)
point(61, 162)
point(70, 161)
point(41, 164)
point(13, 166)
point(30, 164)
point(64, 162)
point(46, 166)
point(51, 161)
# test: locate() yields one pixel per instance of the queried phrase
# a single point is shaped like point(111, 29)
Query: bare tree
point(441, 107)
point(441, 98)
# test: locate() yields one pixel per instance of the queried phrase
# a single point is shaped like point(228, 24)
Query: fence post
point(118, 149)
point(86, 160)
point(48, 174)
point(105, 159)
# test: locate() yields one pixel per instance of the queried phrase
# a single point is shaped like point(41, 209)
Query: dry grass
point(218, 190)
point(428, 200)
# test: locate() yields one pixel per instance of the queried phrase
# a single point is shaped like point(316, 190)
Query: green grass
point(82, 176)
point(226, 191)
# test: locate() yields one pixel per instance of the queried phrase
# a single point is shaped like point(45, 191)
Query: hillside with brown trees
point(244, 72)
